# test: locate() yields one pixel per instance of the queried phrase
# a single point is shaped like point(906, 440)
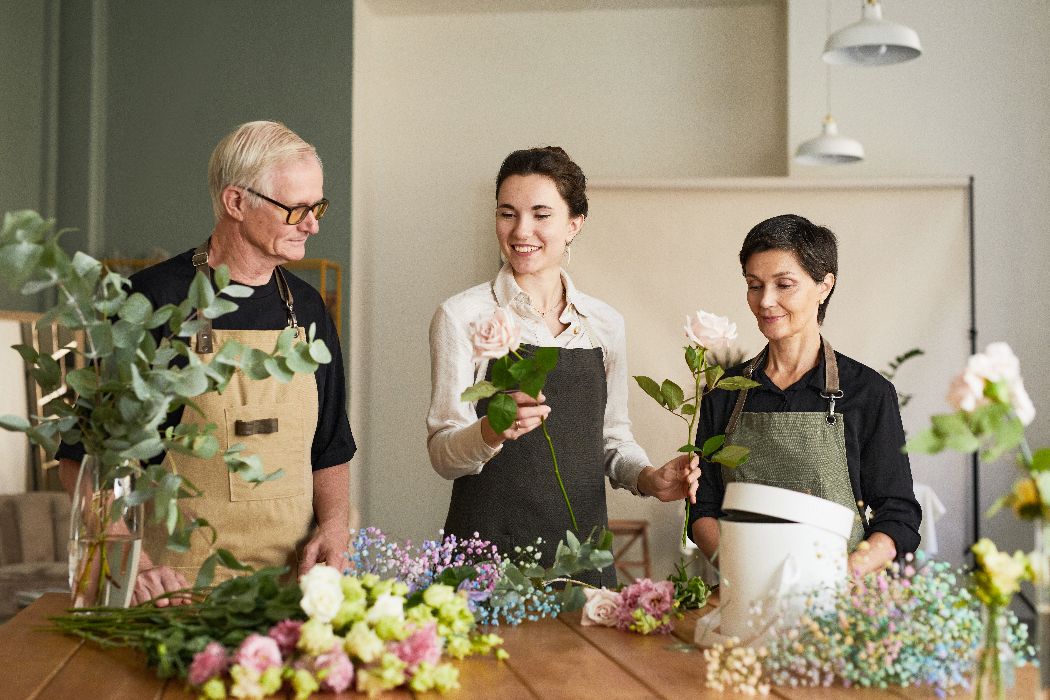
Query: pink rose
point(338, 670)
point(600, 608)
point(258, 653)
point(286, 634)
point(423, 644)
point(710, 331)
point(496, 336)
point(207, 664)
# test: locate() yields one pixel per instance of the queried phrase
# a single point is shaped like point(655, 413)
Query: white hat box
point(776, 546)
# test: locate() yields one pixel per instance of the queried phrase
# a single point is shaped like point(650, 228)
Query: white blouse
point(453, 428)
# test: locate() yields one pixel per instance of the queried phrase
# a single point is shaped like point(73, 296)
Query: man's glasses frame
point(295, 214)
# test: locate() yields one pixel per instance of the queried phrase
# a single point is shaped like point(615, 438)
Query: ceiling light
point(872, 41)
point(829, 148)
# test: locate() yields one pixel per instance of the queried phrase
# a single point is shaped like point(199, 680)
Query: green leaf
point(1008, 435)
point(926, 442)
point(16, 423)
point(688, 448)
point(219, 307)
point(713, 374)
point(532, 383)
point(237, 291)
point(136, 309)
point(189, 381)
point(481, 390)
point(200, 294)
point(546, 358)
point(299, 360)
point(501, 375)
point(253, 362)
point(731, 455)
point(127, 334)
point(18, 261)
point(692, 358)
point(207, 571)
point(1041, 460)
point(650, 387)
point(28, 353)
point(221, 275)
point(83, 381)
point(672, 393)
point(278, 369)
point(144, 450)
point(712, 444)
point(687, 409)
point(955, 432)
point(285, 341)
point(319, 352)
point(501, 412)
point(522, 368)
point(735, 383)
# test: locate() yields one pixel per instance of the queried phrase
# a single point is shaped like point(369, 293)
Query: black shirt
point(879, 472)
point(168, 282)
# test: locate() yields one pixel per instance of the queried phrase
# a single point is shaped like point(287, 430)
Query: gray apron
point(516, 498)
point(801, 451)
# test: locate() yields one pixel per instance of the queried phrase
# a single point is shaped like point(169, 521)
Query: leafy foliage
point(132, 380)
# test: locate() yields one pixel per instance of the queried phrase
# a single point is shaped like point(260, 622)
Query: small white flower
point(710, 331)
point(386, 605)
point(322, 592)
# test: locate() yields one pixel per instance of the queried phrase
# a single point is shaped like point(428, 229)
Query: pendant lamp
point(872, 41)
point(829, 148)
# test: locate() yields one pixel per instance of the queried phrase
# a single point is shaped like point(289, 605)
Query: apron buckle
point(832, 397)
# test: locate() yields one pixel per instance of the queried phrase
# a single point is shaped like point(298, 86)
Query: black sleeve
point(333, 441)
point(885, 476)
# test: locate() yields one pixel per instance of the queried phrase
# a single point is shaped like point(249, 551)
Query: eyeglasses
point(296, 214)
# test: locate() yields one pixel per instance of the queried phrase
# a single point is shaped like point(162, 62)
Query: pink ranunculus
point(710, 331)
point(423, 644)
point(338, 667)
point(207, 664)
point(600, 608)
point(258, 653)
point(286, 634)
point(495, 336)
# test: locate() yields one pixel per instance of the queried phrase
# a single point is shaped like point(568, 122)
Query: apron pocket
point(274, 433)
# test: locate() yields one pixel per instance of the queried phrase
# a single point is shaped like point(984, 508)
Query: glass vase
point(105, 536)
point(995, 659)
point(1040, 559)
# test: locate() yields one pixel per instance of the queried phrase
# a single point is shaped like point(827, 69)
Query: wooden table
point(548, 659)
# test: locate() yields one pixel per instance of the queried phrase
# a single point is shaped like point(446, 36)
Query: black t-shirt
point(169, 282)
point(879, 472)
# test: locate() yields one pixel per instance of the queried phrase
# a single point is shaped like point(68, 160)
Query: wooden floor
point(548, 659)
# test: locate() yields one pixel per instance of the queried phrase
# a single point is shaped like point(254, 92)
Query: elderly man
point(267, 193)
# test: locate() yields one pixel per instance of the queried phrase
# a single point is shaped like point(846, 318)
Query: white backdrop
point(658, 251)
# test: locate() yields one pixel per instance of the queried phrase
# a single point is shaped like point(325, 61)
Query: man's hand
point(872, 554)
point(674, 481)
point(156, 581)
point(328, 545)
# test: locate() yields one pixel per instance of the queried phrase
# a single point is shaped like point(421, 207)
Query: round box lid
point(789, 505)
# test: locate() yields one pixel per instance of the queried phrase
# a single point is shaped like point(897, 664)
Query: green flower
point(350, 612)
point(316, 637)
point(362, 642)
point(214, 689)
point(438, 595)
point(458, 646)
point(304, 684)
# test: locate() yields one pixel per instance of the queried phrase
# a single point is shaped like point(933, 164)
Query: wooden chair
point(630, 536)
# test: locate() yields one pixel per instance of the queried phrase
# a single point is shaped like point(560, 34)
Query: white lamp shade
point(829, 148)
point(872, 41)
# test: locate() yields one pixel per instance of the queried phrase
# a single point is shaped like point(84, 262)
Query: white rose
point(322, 592)
point(1021, 402)
point(600, 608)
point(495, 336)
point(996, 363)
point(386, 605)
point(710, 331)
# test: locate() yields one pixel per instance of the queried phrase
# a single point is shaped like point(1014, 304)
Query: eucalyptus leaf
point(219, 307)
point(285, 341)
point(136, 309)
point(299, 360)
point(18, 260)
point(238, 291)
point(200, 294)
point(28, 353)
point(16, 423)
point(221, 275)
point(190, 381)
point(159, 317)
point(278, 369)
point(84, 381)
point(319, 351)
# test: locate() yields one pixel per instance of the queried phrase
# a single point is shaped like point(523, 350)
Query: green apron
point(801, 451)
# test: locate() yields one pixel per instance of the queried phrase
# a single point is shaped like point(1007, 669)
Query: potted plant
point(139, 367)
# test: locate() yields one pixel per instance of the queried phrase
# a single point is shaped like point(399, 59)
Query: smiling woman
point(505, 490)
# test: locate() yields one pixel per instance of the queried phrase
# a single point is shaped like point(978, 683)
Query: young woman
point(505, 489)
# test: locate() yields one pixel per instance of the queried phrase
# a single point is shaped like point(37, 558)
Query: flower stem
point(691, 437)
point(557, 474)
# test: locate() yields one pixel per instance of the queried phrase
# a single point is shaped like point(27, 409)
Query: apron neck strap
point(831, 392)
point(204, 334)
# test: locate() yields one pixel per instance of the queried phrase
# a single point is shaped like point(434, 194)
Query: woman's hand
point(530, 412)
point(674, 481)
point(872, 554)
point(154, 581)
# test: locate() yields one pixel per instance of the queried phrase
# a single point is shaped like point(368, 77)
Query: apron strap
point(832, 391)
point(204, 334)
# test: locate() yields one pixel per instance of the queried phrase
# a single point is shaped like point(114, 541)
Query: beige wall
point(440, 98)
point(975, 103)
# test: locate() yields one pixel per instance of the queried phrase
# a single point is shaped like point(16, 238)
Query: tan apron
point(264, 524)
point(801, 451)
